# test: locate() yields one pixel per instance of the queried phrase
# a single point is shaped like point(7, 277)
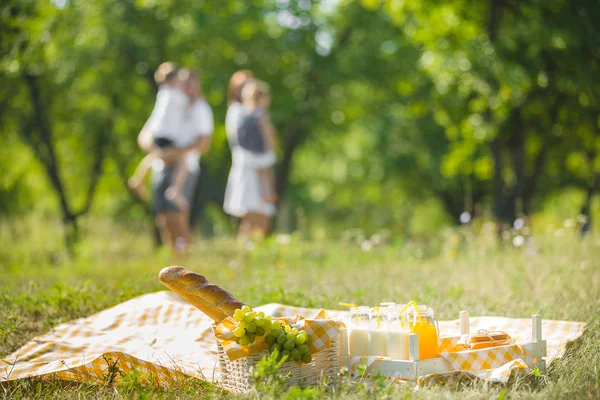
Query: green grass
point(559, 277)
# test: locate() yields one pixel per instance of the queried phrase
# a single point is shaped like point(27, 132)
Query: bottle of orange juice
point(422, 321)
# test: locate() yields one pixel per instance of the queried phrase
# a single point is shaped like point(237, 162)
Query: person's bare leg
point(161, 224)
point(178, 242)
point(174, 192)
point(245, 229)
point(184, 223)
point(264, 223)
point(252, 227)
point(136, 182)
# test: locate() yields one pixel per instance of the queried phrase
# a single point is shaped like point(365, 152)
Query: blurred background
point(397, 118)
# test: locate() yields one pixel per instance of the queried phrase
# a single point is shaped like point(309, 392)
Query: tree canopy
point(382, 106)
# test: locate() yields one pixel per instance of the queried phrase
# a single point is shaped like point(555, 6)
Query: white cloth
point(167, 115)
point(197, 121)
point(231, 122)
point(242, 194)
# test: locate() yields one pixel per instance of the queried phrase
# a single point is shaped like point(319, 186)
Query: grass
point(557, 276)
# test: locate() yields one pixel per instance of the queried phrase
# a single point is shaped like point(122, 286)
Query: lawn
point(557, 275)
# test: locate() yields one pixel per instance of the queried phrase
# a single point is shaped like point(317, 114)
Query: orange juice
point(428, 338)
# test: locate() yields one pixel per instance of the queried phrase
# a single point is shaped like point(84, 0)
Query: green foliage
point(266, 376)
point(464, 105)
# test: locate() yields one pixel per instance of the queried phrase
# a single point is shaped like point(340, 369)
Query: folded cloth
point(321, 328)
point(166, 339)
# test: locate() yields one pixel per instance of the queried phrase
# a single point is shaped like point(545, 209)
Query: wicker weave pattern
point(235, 375)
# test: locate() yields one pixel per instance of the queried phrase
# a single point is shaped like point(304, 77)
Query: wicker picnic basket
point(235, 375)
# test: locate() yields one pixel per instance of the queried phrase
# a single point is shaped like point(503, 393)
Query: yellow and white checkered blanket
point(163, 337)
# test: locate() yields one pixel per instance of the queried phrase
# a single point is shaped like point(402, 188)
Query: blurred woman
point(245, 196)
point(196, 132)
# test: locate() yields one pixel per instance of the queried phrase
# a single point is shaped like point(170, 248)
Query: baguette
point(212, 300)
point(489, 337)
point(485, 345)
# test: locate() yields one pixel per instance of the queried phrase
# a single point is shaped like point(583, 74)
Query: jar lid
point(422, 310)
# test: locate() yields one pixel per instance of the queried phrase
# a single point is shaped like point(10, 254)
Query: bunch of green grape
point(289, 342)
point(250, 325)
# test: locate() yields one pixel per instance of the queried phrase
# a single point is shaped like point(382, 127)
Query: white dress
point(242, 194)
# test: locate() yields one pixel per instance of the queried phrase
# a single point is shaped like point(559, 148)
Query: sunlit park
point(300, 199)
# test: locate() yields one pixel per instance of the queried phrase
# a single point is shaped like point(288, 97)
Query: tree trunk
point(516, 145)
point(586, 209)
point(38, 134)
point(283, 171)
point(498, 187)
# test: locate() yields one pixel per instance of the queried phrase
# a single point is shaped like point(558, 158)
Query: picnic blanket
point(167, 340)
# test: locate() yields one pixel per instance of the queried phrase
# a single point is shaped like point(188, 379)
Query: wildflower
point(518, 224)
point(366, 245)
point(283, 239)
point(465, 217)
point(518, 241)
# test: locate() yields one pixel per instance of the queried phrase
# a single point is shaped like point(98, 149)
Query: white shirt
point(168, 113)
point(197, 121)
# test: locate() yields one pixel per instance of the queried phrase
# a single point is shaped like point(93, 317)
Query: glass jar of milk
point(398, 332)
point(358, 331)
point(378, 331)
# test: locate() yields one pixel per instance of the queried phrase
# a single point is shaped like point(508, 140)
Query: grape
point(295, 331)
point(268, 318)
point(251, 336)
point(251, 327)
point(303, 349)
point(291, 336)
point(300, 339)
point(270, 339)
point(249, 316)
point(239, 332)
point(275, 333)
point(264, 323)
point(281, 339)
point(258, 321)
point(295, 355)
point(243, 324)
point(274, 325)
point(244, 340)
point(289, 345)
point(285, 353)
point(246, 309)
point(260, 331)
point(287, 329)
point(273, 347)
point(238, 316)
point(261, 314)
point(306, 358)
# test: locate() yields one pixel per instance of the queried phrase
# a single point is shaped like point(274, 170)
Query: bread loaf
point(489, 337)
point(212, 300)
